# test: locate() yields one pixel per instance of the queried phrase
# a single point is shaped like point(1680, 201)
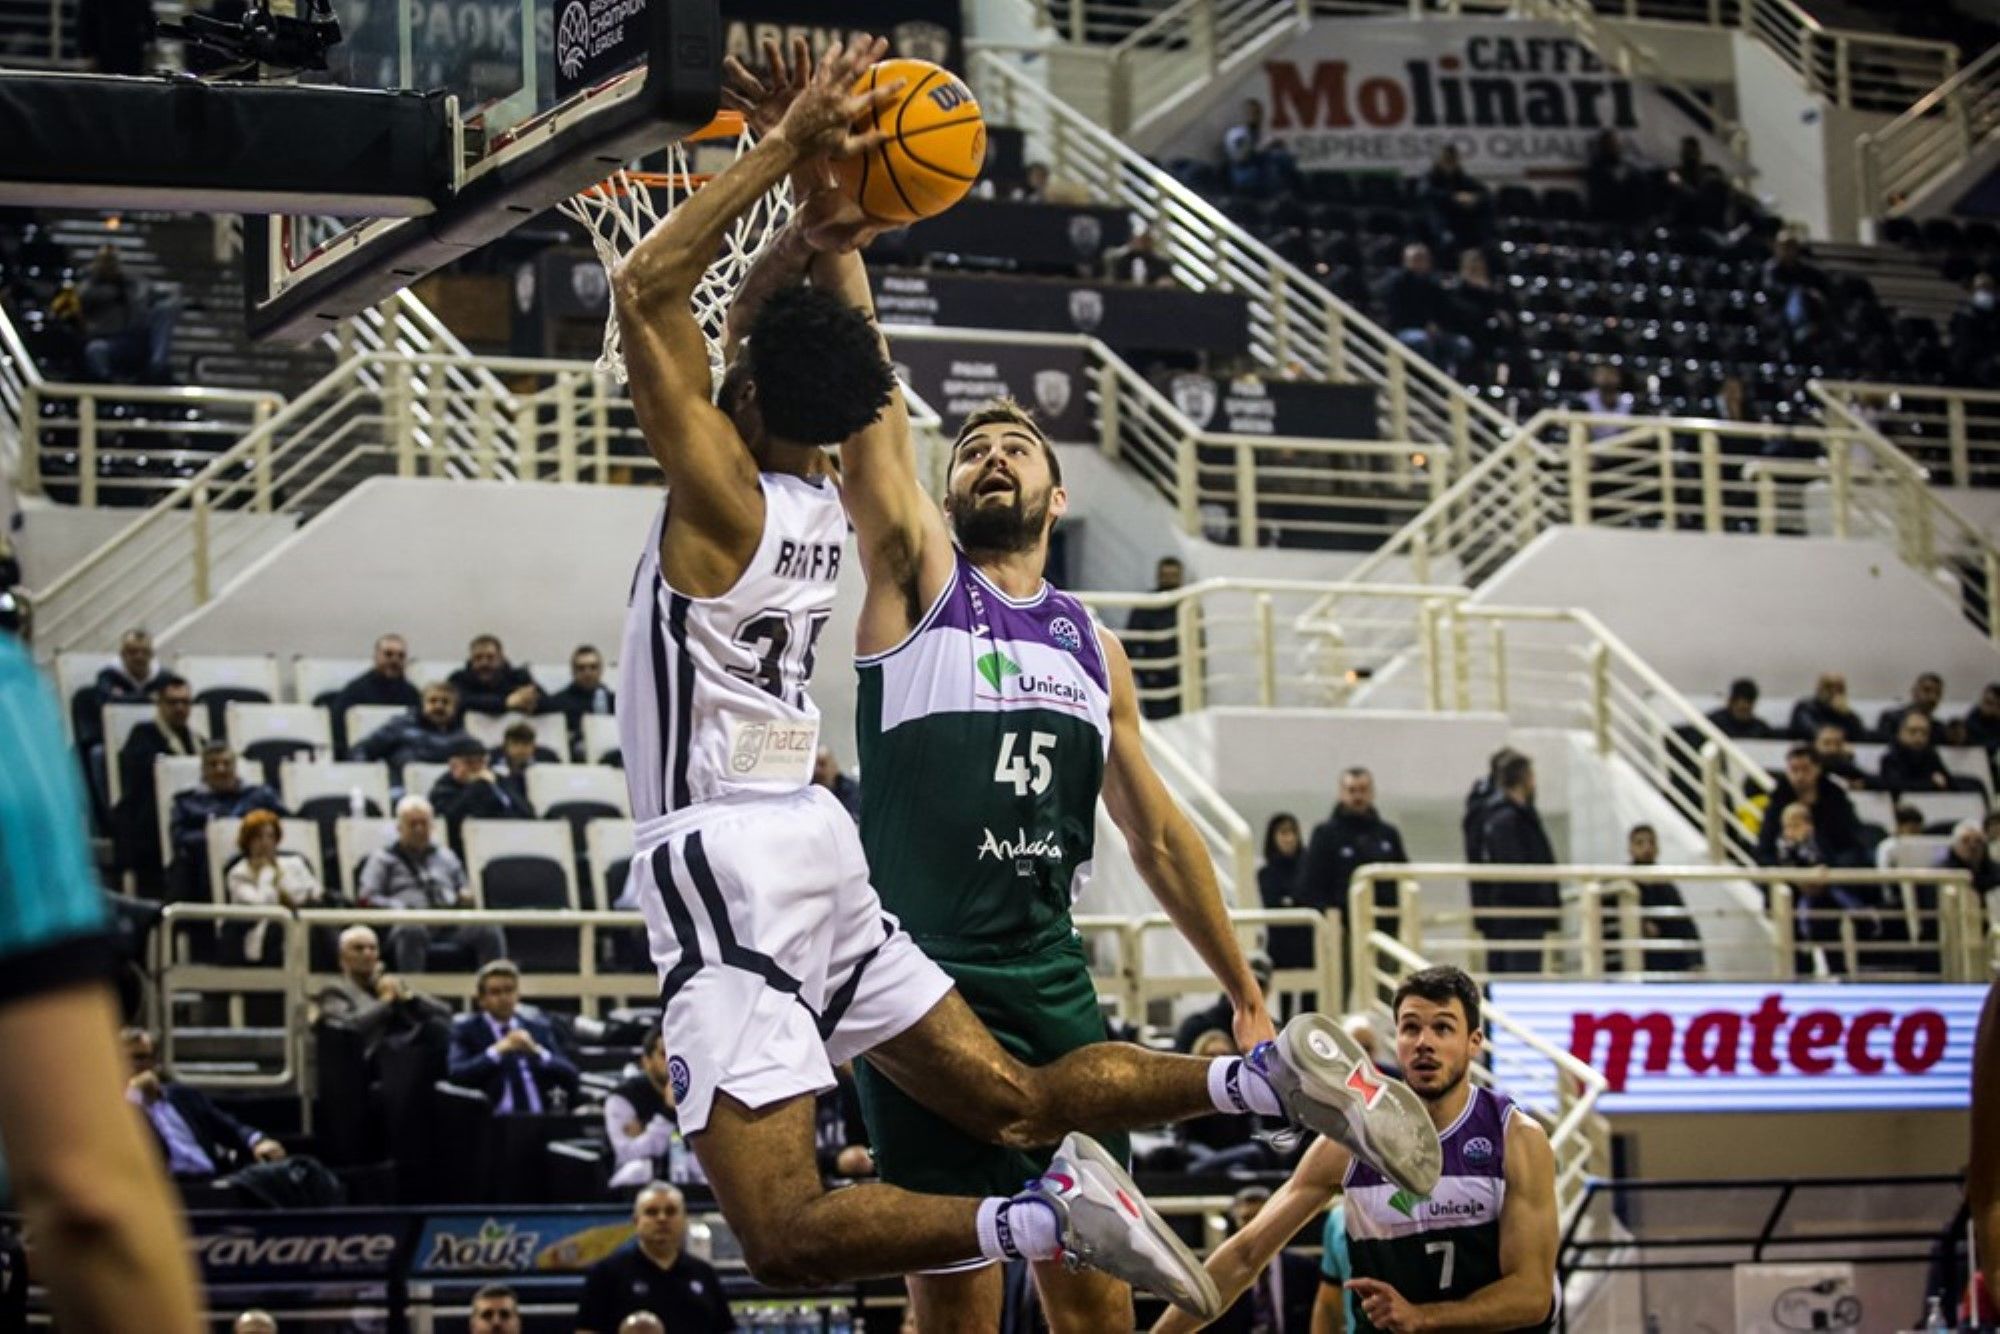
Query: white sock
point(1237, 1089)
point(1019, 1229)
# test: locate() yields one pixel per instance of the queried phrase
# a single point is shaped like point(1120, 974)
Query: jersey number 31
point(1029, 770)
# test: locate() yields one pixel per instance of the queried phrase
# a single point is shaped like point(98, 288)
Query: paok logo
point(677, 1075)
point(573, 38)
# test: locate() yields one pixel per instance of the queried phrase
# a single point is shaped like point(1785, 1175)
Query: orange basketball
point(935, 149)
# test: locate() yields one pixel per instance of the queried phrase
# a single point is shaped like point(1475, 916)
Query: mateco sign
point(1730, 1047)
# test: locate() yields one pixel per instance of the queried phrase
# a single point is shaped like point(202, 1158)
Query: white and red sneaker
point(1107, 1225)
point(1327, 1083)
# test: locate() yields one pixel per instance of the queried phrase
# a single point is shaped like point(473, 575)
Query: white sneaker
point(1107, 1225)
point(1327, 1083)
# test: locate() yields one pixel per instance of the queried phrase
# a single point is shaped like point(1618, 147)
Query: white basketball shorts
point(776, 959)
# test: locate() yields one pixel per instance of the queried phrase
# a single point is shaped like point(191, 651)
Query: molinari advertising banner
point(1728, 1047)
point(1515, 98)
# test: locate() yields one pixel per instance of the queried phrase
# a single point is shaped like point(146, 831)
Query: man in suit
point(167, 732)
point(1280, 1301)
point(505, 1052)
point(200, 1141)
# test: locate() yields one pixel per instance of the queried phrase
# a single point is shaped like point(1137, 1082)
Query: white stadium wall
point(1703, 610)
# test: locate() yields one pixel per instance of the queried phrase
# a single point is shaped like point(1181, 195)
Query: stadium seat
point(1939, 808)
point(600, 736)
point(219, 679)
point(172, 774)
point(420, 776)
point(315, 678)
point(75, 674)
point(270, 734)
point(515, 864)
point(577, 794)
point(323, 791)
point(608, 850)
point(550, 729)
point(362, 719)
point(119, 720)
point(353, 840)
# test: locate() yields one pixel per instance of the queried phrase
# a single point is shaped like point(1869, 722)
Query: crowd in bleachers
point(84, 320)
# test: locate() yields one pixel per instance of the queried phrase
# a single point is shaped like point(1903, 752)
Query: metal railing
point(275, 1057)
point(92, 444)
point(1953, 434)
point(1695, 475)
point(1579, 1135)
point(1226, 833)
point(1545, 667)
point(1247, 642)
point(39, 34)
point(1295, 324)
point(1931, 139)
point(1867, 71)
point(1745, 923)
point(1174, 56)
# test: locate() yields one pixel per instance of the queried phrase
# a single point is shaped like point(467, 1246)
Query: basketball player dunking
point(993, 713)
point(775, 956)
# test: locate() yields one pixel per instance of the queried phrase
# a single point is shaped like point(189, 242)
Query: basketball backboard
point(544, 97)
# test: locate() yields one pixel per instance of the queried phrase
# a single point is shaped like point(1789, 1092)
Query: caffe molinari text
point(1746, 1047)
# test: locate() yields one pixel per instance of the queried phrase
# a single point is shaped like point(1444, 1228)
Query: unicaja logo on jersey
point(995, 667)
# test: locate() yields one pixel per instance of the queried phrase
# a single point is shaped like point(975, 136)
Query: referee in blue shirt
point(109, 1243)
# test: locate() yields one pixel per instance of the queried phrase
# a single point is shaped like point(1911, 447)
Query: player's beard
point(1444, 1090)
point(999, 530)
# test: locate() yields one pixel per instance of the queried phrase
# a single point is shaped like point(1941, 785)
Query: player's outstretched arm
point(1982, 1176)
point(1520, 1297)
point(1236, 1263)
point(1171, 857)
point(652, 286)
point(906, 551)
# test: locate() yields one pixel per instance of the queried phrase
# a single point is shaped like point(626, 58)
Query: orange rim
point(726, 125)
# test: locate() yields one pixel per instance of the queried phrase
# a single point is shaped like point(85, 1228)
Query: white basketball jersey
point(712, 694)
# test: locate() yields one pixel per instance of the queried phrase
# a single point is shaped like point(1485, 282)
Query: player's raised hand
point(764, 101)
point(823, 115)
point(1385, 1307)
point(832, 223)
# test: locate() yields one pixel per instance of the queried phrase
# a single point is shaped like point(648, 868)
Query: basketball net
point(621, 210)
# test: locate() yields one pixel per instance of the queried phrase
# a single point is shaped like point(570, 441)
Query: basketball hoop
point(621, 209)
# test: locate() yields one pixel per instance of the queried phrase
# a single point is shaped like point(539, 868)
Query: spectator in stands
point(1350, 837)
point(508, 1052)
point(255, 1322)
point(1911, 763)
point(1695, 194)
point(1034, 186)
point(1138, 261)
point(1799, 289)
point(427, 736)
point(1609, 181)
point(1926, 694)
point(488, 683)
point(1981, 726)
point(1607, 397)
point(1975, 331)
point(385, 682)
point(469, 790)
point(1827, 704)
point(262, 875)
point(1970, 851)
point(1836, 757)
point(415, 873)
point(200, 1140)
point(1732, 400)
point(585, 694)
point(1220, 1015)
point(520, 750)
point(1280, 1298)
point(1837, 831)
point(639, 1118)
point(136, 823)
point(1662, 909)
point(367, 998)
point(827, 773)
point(1816, 905)
point(1512, 835)
point(1460, 207)
point(1151, 636)
point(495, 1310)
point(1483, 793)
point(1486, 312)
point(1738, 716)
point(1419, 311)
point(652, 1273)
point(136, 676)
point(1278, 887)
point(221, 793)
point(128, 327)
point(1252, 125)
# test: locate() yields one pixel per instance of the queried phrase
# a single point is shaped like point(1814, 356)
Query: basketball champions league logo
point(572, 38)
